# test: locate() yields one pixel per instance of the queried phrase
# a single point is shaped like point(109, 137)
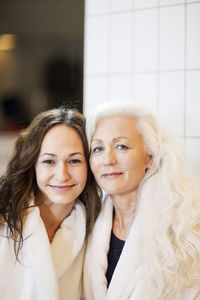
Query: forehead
point(62, 136)
point(117, 125)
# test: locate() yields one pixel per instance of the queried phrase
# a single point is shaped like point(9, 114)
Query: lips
point(61, 188)
point(111, 175)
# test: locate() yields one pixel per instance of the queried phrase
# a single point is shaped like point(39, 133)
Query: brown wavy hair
point(19, 180)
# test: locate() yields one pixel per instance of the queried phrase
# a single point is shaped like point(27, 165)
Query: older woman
point(146, 241)
point(43, 219)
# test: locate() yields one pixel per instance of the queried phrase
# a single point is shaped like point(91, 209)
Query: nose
point(110, 157)
point(62, 172)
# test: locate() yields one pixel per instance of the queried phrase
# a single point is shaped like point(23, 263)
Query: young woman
point(43, 197)
point(145, 244)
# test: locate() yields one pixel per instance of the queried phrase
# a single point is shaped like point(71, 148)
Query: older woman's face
point(118, 158)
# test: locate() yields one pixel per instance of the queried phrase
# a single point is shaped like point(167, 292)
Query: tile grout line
point(185, 78)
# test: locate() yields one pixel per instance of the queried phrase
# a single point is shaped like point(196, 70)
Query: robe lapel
point(37, 253)
point(95, 282)
point(124, 283)
point(128, 270)
point(69, 240)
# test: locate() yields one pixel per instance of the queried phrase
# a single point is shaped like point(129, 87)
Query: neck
point(52, 215)
point(124, 211)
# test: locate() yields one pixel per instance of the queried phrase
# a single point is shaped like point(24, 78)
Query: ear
point(149, 159)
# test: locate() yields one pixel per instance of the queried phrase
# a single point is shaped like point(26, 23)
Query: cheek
point(42, 174)
point(135, 168)
point(81, 175)
point(93, 164)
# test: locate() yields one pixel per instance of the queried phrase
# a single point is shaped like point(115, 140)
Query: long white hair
point(168, 205)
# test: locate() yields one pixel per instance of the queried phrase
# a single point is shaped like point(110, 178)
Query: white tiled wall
point(148, 51)
point(121, 43)
point(193, 104)
point(193, 34)
point(171, 104)
point(172, 38)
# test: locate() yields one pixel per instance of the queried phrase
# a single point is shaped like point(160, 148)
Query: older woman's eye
point(121, 147)
point(97, 149)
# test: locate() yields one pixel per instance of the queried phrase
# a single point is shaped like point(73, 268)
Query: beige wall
point(6, 150)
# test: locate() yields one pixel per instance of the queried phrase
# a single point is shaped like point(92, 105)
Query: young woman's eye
point(48, 162)
point(97, 149)
point(121, 147)
point(74, 161)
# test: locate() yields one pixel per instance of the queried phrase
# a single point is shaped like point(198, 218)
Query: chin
point(63, 201)
point(113, 192)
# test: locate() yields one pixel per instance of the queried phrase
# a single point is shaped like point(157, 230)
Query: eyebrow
point(49, 154)
point(114, 140)
point(96, 140)
point(53, 155)
point(120, 138)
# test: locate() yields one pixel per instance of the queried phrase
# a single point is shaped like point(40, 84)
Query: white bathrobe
point(128, 281)
point(47, 271)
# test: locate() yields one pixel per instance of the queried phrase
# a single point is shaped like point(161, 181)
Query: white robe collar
point(50, 261)
point(131, 279)
point(126, 277)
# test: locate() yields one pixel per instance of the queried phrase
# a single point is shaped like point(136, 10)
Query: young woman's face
point(118, 158)
point(61, 168)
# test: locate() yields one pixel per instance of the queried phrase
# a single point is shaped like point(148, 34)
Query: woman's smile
point(111, 175)
point(61, 188)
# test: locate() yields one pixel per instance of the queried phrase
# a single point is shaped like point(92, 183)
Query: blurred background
point(41, 62)
point(92, 51)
